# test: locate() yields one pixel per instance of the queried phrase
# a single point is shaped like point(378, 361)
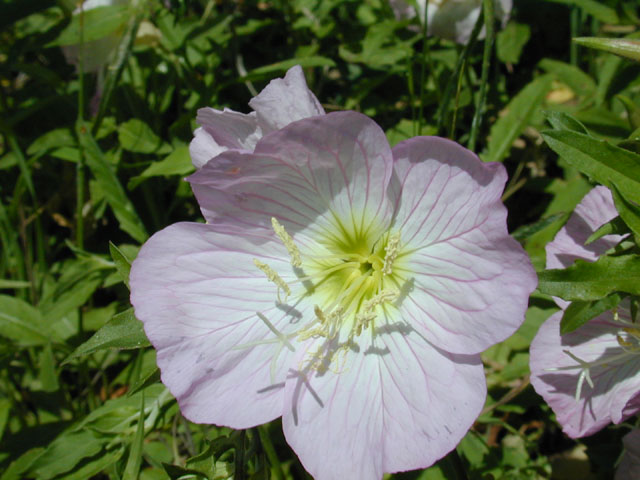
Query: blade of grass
point(489, 21)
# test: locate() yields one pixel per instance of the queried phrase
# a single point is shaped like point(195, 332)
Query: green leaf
point(593, 7)
point(48, 377)
point(65, 452)
point(21, 464)
point(517, 116)
point(620, 46)
point(633, 112)
point(511, 40)
point(147, 379)
point(593, 280)
point(579, 312)
point(123, 332)
point(177, 163)
point(629, 212)
point(5, 408)
point(615, 226)
point(283, 66)
point(602, 162)
point(92, 25)
point(564, 121)
point(110, 185)
point(136, 136)
point(527, 231)
point(123, 264)
point(5, 283)
point(60, 137)
point(576, 79)
point(22, 323)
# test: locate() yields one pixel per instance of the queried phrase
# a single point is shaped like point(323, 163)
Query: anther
point(273, 276)
point(282, 234)
point(391, 252)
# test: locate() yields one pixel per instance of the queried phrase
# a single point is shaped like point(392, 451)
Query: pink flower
point(341, 285)
point(450, 19)
point(591, 376)
point(282, 101)
point(629, 467)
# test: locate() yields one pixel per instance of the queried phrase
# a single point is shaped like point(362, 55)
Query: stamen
point(391, 251)
point(282, 234)
point(283, 338)
point(273, 276)
point(368, 313)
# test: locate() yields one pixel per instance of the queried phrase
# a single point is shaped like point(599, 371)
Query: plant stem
point(489, 21)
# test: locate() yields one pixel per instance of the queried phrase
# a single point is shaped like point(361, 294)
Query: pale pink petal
point(616, 384)
point(396, 404)
point(198, 293)
point(285, 100)
point(318, 174)
point(629, 467)
point(469, 280)
point(595, 209)
point(220, 131)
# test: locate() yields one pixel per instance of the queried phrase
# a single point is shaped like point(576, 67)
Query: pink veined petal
point(629, 467)
point(285, 100)
point(470, 281)
point(319, 174)
point(595, 209)
point(198, 293)
point(396, 404)
point(616, 384)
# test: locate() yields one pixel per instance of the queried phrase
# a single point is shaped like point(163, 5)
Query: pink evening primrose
point(283, 101)
point(591, 376)
point(341, 285)
point(450, 19)
point(629, 466)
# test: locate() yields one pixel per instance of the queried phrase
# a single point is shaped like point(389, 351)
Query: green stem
point(267, 445)
point(80, 180)
point(457, 73)
point(489, 21)
point(424, 59)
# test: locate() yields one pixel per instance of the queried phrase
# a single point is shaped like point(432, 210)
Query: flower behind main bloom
point(450, 19)
point(591, 376)
point(341, 285)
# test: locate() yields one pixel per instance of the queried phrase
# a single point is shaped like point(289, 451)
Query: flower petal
point(220, 131)
point(595, 209)
point(285, 100)
point(470, 280)
point(319, 174)
point(616, 384)
point(396, 404)
point(629, 466)
point(198, 293)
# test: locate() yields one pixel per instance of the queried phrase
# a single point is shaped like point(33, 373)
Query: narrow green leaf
point(110, 185)
point(527, 231)
point(615, 226)
point(619, 46)
point(146, 380)
point(5, 283)
point(123, 264)
point(48, 377)
point(564, 121)
point(517, 116)
point(603, 162)
point(132, 469)
point(633, 111)
point(588, 281)
point(20, 465)
point(123, 332)
point(5, 408)
point(579, 312)
point(511, 40)
point(629, 212)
